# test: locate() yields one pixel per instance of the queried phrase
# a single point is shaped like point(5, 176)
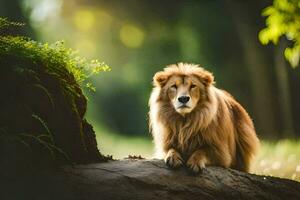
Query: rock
point(42, 108)
point(145, 179)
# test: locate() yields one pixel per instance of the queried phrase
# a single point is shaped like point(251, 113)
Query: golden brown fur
point(216, 131)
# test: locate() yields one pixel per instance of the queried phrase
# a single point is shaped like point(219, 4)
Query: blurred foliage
point(139, 38)
point(283, 18)
point(137, 43)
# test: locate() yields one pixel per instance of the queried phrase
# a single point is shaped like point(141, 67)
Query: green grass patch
point(120, 146)
point(280, 158)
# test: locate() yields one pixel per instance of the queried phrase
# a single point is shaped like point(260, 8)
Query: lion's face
point(183, 86)
point(184, 92)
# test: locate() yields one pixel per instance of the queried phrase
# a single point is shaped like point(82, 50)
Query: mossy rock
point(42, 106)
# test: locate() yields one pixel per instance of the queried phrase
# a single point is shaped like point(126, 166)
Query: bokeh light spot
point(84, 19)
point(131, 36)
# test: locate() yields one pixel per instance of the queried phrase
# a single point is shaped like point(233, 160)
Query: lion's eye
point(174, 86)
point(193, 86)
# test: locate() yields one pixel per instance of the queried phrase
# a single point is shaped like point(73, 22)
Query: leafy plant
point(5, 24)
point(57, 54)
point(283, 18)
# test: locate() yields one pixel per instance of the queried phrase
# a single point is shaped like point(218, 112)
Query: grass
point(280, 158)
point(121, 146)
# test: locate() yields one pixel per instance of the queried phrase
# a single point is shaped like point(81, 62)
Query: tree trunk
point(257, 68)
point(145, 179)
point(284, 96)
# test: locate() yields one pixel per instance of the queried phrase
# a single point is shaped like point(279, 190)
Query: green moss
point(5, 25)
point(57, 59)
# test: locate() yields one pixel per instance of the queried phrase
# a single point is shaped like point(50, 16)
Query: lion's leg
point(197, 161)
point(209, 156)
point(173, 159)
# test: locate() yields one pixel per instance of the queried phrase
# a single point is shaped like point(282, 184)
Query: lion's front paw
point(173, 159)
point(196, 163)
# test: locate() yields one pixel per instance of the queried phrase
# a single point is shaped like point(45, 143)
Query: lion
point(195, 124)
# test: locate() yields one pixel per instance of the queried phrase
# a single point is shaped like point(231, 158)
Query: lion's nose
point(183, 99)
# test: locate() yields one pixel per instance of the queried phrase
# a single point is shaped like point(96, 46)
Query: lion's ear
point(205, 77)
point(160, 79)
